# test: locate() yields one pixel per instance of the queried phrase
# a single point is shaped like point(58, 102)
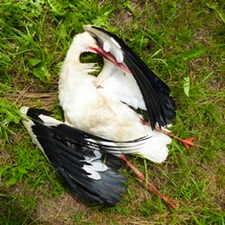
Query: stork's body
point(87, 106)
point(102, 114)
point(105, 105)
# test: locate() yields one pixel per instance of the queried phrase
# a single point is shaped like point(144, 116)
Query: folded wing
point(156, 94)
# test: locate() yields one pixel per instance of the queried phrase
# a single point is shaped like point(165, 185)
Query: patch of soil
point(58, 211)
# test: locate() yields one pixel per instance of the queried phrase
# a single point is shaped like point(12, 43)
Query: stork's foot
point(141, 176)
point(170, 202)
point(167, 200)
point(188, 142)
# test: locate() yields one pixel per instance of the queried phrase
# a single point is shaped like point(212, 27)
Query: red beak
point(110, 57)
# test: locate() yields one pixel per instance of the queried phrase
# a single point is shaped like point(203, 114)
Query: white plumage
point(83, 160)
point(103, 120)
point(102, 105)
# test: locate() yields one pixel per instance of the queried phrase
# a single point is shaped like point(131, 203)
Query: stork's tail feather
point(92, 173)
point(156, 148)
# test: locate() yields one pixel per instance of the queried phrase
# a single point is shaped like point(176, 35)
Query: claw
point(170, 201)
point(188, 142)
point(167, 200)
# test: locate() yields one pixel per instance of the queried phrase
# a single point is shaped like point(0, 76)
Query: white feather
point(91, 105)
point(94, 169)
point(28, 125)
point(106, 46)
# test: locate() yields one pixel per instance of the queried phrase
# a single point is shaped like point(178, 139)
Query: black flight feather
point(71, 158)
point(160, 105)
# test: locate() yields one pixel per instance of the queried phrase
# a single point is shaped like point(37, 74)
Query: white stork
point(83, 160)
point(107, 105)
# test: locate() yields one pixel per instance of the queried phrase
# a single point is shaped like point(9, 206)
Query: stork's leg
point(169, 201)
point(186, 142)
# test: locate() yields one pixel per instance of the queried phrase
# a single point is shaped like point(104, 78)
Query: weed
point(181, 41)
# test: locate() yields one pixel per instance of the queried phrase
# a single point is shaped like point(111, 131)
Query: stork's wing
point(91, 172)
point(82, 159)
point(156, 94)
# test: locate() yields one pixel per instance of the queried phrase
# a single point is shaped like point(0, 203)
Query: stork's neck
point(80, 44)
point(108, 70)
point(72, 67)
point(73, 54)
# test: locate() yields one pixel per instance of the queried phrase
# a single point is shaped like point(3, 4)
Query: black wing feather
point(69, 157)
point(160, 106)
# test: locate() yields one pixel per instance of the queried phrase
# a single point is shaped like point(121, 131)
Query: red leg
point(142, 177)
point(186, 142)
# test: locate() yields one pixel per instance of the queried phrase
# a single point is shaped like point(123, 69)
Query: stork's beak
point(102, 36)
point(110, 57)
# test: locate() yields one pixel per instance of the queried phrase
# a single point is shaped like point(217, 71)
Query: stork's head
point(84, 42)
point(94, 43)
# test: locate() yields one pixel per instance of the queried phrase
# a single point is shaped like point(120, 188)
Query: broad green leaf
point(34, 62)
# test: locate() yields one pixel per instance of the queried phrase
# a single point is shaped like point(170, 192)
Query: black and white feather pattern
point(156, 94)
point(78, 157)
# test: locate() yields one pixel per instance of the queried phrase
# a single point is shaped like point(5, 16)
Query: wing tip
point(24, 109)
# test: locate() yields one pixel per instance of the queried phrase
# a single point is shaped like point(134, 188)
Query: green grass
point(182, 42)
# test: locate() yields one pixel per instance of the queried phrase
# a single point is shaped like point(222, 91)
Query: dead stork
point(83, 160)
point(155, 94)
point(103, 105)
point(107, 105)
